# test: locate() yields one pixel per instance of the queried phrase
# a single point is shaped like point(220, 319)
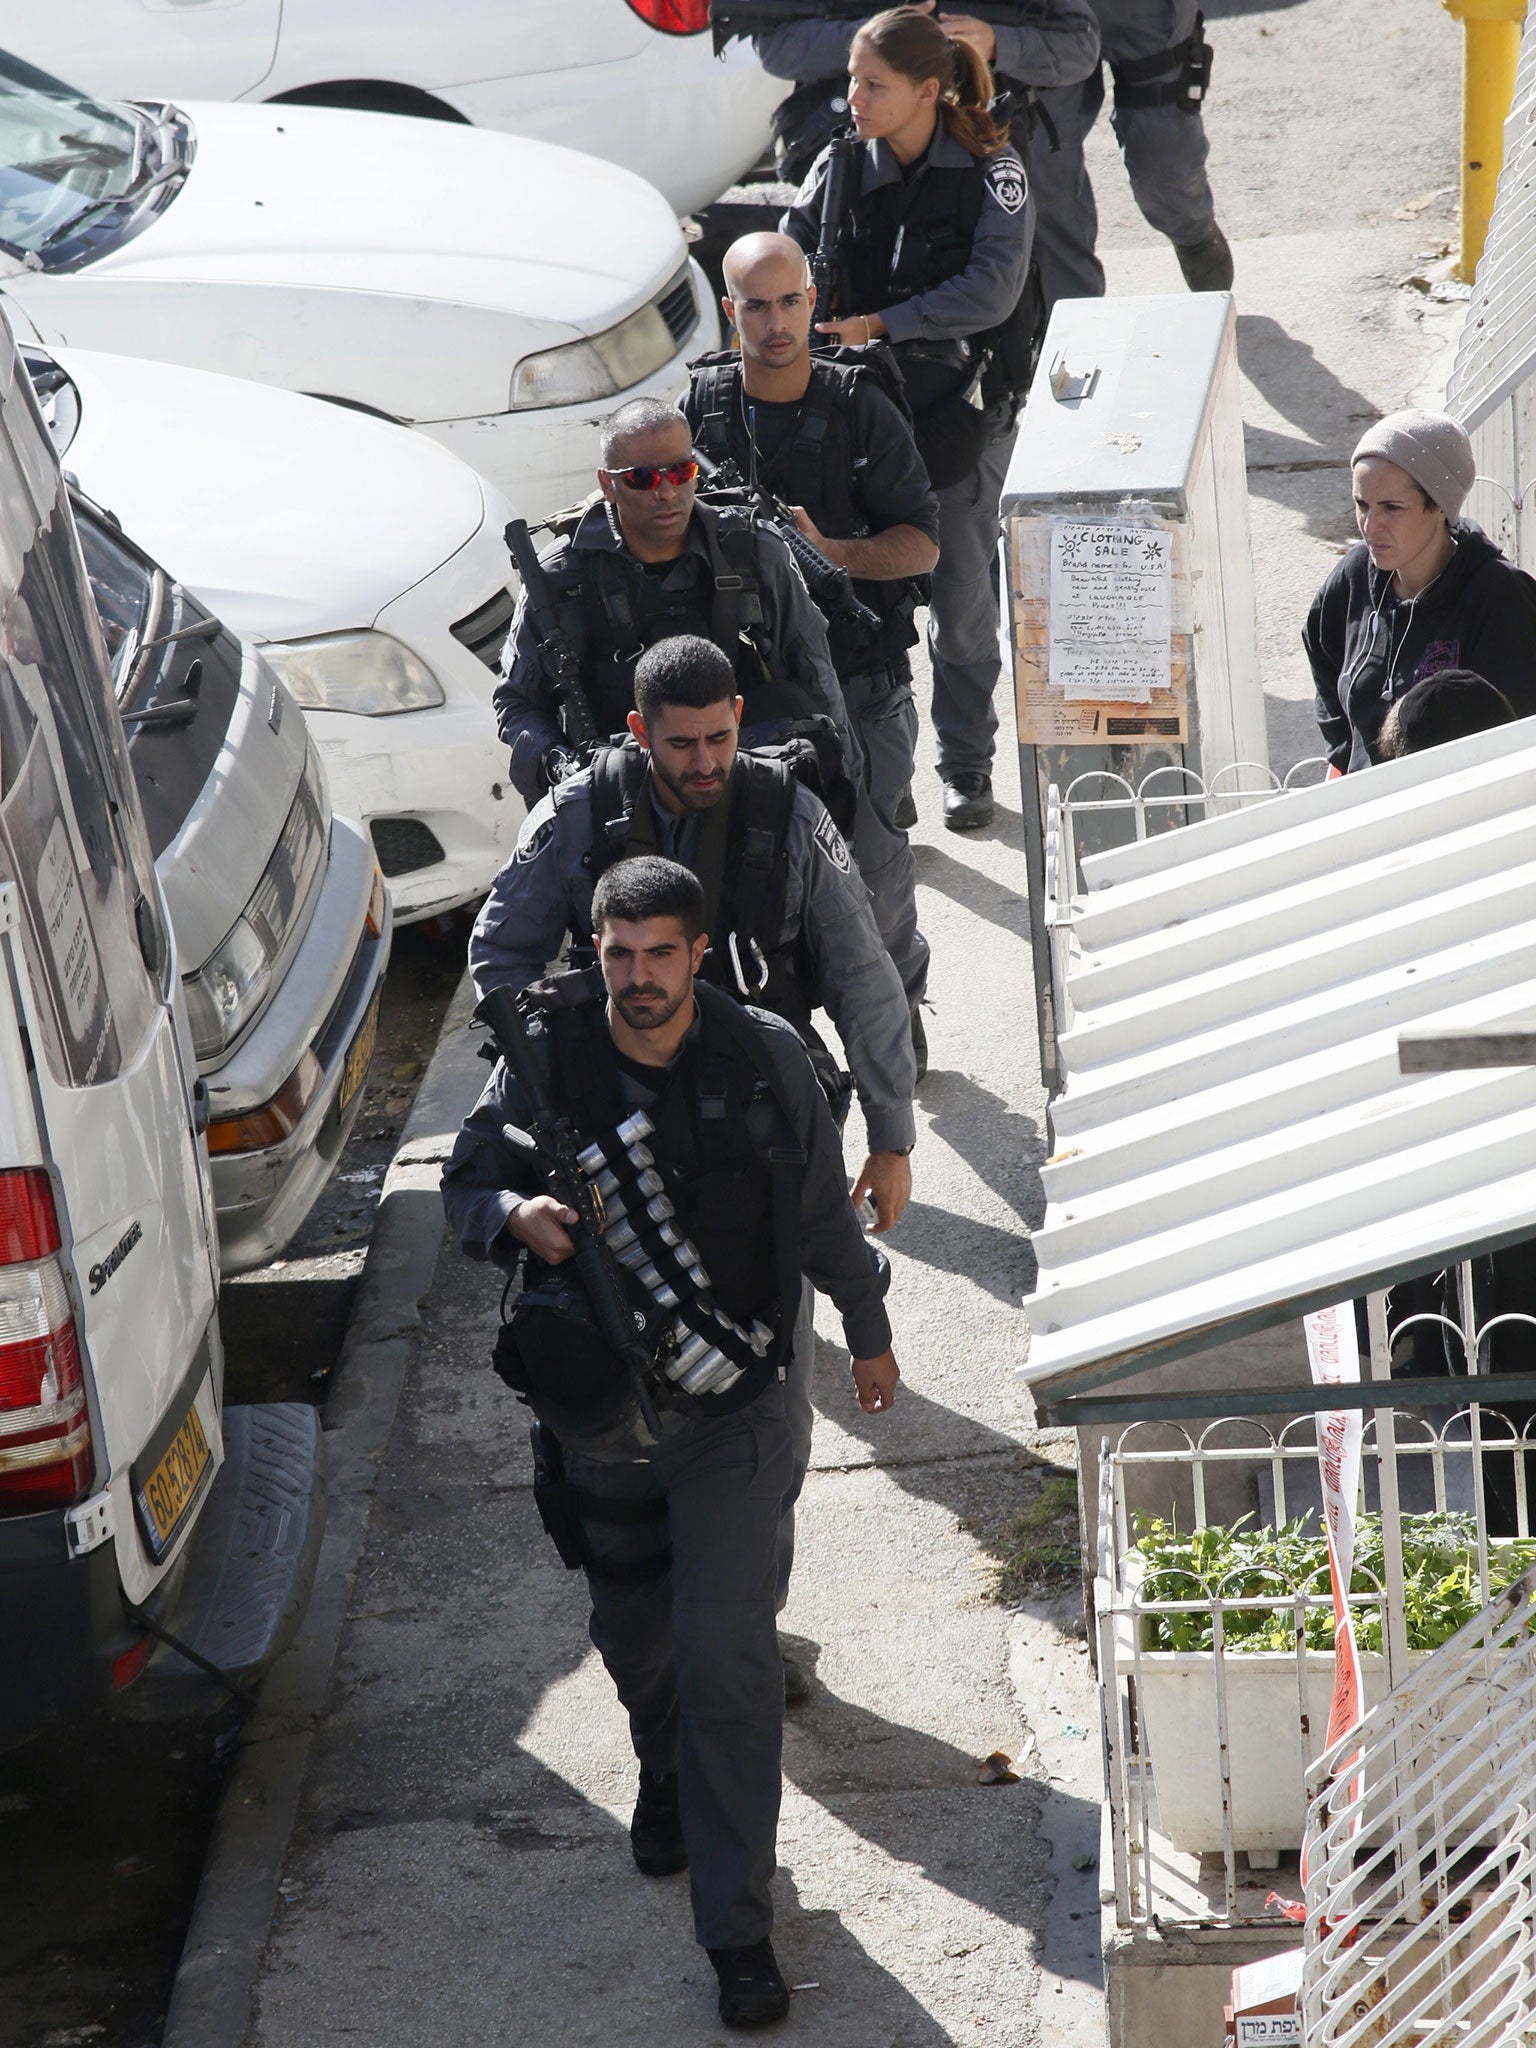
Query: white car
point(634, 81)
point(366, 563)
point(500, 295)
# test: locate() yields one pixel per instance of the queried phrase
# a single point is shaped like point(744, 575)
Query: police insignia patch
point(536, 837)
point(1006, 183)
point(834, 846)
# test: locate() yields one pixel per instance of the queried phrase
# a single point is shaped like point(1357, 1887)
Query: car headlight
point(230, 988)
point(368, 673)
point(599, 368)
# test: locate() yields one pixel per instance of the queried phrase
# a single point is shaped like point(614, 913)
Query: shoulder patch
point(833, 845)
point(1007, 183)
point(536, 836)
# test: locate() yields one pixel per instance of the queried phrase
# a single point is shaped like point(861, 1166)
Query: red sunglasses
point(645, 476)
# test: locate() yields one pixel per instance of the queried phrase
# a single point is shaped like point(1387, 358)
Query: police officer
point(1030, 45)
point(787, 912)
point(679, 1545)
point(644, 563)
point(933, 254)
point(1160, 62)
point(825, 435)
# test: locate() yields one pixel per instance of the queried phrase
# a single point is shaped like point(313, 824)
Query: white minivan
point(112, 1423)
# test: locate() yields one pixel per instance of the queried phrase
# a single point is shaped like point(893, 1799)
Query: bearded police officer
point(790, 920)
point(646, 562)
point(679, 1543)
point(824, 433)
point(1159, 61)
point(1031, 45)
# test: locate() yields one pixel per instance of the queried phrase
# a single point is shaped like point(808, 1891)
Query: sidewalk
point(460, 1869)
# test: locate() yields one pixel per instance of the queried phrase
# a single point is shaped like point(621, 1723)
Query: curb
point(210, 2003)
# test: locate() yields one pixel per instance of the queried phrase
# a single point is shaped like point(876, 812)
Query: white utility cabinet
point(1127, 577)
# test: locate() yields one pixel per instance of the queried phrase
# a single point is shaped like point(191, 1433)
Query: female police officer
point(933, 253)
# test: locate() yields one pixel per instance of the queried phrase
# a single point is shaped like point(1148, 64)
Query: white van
point(112, 1432)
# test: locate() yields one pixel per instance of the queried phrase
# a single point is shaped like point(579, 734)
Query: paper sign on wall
point(1111, 610)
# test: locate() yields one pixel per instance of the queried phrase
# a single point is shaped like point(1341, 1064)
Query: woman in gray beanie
point(1425, 590)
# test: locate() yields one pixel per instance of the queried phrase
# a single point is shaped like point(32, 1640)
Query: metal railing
point(1164, 799)
point(1421, 1894)
point(1207, 1751)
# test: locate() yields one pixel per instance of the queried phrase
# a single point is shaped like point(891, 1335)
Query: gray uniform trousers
point(963, 616)
point(1164, 149)
point(883, 714)
point(694, 1655)
point(800, 1415)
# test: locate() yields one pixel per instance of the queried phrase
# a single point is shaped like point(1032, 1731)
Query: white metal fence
point(1207, 1750)
point(1114, 810)
point(1421, 1895)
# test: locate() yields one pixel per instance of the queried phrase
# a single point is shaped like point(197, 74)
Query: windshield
point(62, 156)
point(124, 589)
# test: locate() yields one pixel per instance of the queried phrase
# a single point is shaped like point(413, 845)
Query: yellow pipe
point(1490, 56)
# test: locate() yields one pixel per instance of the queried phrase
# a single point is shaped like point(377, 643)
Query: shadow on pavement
point(1004, 1148)
point(1331, 415)
point(1001, 1261)
point(972, 889)
point(848, 1759)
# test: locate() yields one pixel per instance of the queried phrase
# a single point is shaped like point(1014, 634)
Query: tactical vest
point(612, 609)
point(741, 865)
point(726, 1151)
point(814, 467)
point(908, 237)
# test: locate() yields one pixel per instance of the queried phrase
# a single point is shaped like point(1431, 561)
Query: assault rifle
point(836, 192)
point(729, 19)
point(561, 662)
point(831, 587)
point(508, 1020)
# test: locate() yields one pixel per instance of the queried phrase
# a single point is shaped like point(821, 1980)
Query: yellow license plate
point(360, 1054)
point(174, 1484)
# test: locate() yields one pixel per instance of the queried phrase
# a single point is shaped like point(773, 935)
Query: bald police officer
point(824, 433)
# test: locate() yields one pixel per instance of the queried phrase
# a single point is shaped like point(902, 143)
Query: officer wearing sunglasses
point(644, 563)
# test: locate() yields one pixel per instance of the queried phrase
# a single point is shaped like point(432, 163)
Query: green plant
point(1039, 1543)
point(1441, 1591)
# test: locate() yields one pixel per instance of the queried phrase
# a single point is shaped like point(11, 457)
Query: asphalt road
point(103, 1831)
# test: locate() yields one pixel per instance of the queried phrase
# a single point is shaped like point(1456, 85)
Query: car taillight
point(674, 17)
point(45, 1432)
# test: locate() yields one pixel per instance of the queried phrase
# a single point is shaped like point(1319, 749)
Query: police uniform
point(821, 909)
point(732, 583)
point(941, 252)
point(824, 923)
point(682, 1546)
point(1040, 44)
point(846, 454)
point(1150, 47)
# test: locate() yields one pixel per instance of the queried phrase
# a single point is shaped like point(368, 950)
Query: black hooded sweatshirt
point(1367, 645)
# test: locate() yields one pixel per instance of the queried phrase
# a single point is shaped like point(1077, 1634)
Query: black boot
point(1207, 265)
point(656, 1831)
point(752, 1988)
point(967, 801)
point(904, 817)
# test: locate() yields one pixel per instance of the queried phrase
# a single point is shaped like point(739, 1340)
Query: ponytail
point(912, 43)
